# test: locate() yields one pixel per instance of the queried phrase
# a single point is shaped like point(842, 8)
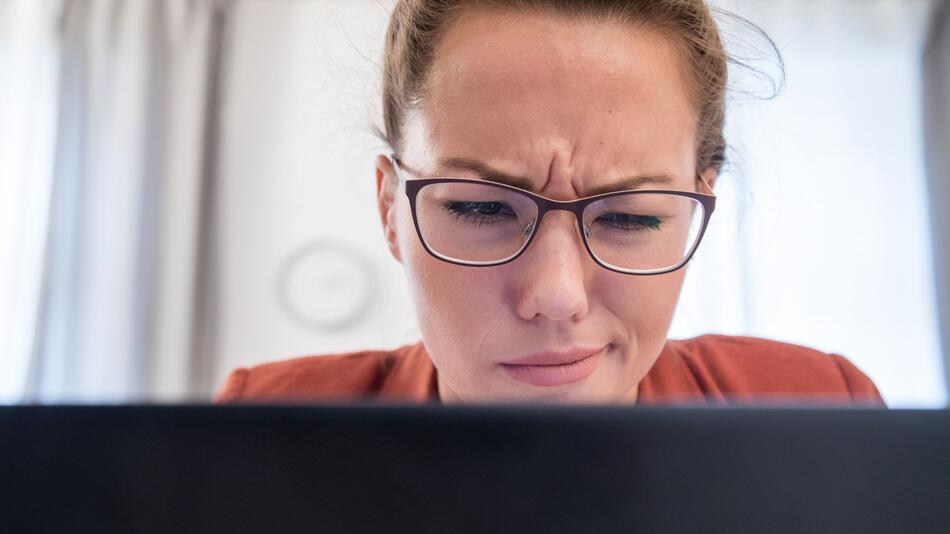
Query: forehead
point(513, 88)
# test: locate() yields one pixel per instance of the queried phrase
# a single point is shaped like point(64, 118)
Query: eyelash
point(461, 210)
point(642, 222)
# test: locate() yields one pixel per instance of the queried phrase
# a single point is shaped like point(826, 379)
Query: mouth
point(554, 369)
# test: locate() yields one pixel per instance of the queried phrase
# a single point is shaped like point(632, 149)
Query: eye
point(479, 212)
point(631, 222)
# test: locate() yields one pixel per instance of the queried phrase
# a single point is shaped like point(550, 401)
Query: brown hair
point(416, 26)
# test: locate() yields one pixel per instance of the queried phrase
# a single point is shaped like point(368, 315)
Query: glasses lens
point(643, 231)
point(474, 223)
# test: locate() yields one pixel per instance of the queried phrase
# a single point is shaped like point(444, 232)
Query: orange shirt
point(713, 369)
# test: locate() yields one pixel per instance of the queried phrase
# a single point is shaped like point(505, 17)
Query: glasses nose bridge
point(574, 207)
point(546, 206)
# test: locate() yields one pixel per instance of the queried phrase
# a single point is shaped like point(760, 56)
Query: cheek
point(645, 304)
point(451, 299)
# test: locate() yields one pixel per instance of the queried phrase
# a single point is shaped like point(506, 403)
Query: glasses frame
point(544, 204)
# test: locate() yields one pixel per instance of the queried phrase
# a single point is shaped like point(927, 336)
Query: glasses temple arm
point(394, 161)
point(705, 183)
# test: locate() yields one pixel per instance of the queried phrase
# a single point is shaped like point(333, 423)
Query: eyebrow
point(493, 175)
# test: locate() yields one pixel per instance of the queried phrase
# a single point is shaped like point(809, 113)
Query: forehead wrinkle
point(489, 174)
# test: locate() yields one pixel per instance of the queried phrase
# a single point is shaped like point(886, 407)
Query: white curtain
point(122, 251)
point(937, 127)
point(28, 80)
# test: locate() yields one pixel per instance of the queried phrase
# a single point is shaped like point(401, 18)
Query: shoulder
point(742, 366)
point(330, 377)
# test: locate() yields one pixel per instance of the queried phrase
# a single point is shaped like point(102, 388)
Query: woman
point(551, 176)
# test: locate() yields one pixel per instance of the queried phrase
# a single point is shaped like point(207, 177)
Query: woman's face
point(569, 107)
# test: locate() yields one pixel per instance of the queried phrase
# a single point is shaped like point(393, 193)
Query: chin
point(568, 394)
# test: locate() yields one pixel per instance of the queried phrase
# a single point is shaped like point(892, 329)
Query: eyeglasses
point(481, 223)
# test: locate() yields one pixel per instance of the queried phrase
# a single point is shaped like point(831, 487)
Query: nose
point(551, 272)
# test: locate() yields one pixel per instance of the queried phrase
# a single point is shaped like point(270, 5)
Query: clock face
point(326, 286)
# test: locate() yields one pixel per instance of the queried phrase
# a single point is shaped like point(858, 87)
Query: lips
point(548, 369)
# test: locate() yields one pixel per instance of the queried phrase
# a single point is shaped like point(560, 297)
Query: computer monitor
point(364, 468)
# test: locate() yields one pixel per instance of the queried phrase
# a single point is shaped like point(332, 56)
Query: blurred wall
point(297, 194)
